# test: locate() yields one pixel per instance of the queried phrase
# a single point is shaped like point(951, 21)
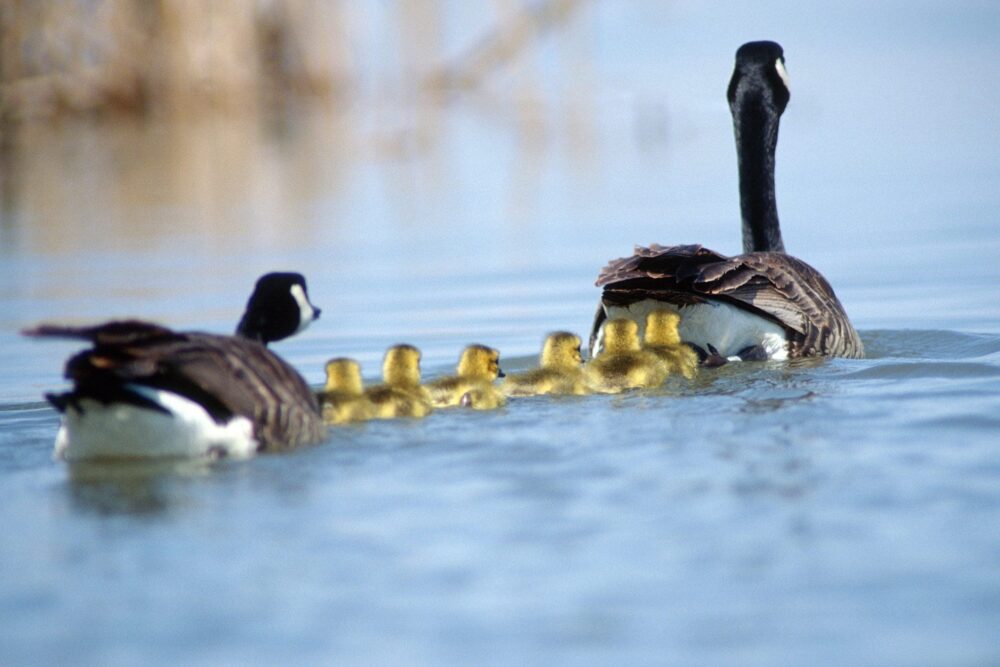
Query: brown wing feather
point(250, 380)
point(775, 285)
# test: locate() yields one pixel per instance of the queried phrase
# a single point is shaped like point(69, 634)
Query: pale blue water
point(837, 512)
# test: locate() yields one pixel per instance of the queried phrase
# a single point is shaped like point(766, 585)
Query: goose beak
point(316, 312)
point(714, 359)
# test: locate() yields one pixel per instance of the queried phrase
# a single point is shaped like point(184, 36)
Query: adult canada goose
point(763, 304)
point(623, 364)
point(400, 394)
point(144, 391)
point(560, 369)
point(472, 385)
point(343, 400)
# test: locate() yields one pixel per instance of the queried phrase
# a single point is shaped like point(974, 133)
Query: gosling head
point(401, 365)
point(621, 335)
point(561, 351)
point(480, 362)
point(661, 328)
point(343, 375)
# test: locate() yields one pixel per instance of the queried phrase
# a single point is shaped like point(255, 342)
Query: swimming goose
point(472, 385)
point(143, 391)
point(400, 394)
point(623, 364)
point(663, 339)
point(560, 370)
point(763, 304)
point(342, 399)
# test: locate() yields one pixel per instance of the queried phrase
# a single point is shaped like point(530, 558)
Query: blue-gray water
point(828, 512)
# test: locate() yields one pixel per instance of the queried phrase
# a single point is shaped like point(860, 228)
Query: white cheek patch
point(306, 311)
point(780, 67)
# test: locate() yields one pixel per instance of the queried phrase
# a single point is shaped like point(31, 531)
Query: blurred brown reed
point(169, 56)
point(177, 56)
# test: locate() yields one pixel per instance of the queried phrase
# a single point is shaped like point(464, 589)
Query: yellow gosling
point(485, 397)
point(560, 370)
point(400, 394)
point(472, 386)
point(342, 399)
point(623, 364)
point(663, 339)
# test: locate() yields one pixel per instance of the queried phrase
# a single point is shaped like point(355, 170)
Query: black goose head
point(760, 71)
point(278, 308)
point(758, 93)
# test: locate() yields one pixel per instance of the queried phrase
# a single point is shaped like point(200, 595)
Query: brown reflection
point(213, 122)
point(88, 184)
point(11, 184)
point(132, 487)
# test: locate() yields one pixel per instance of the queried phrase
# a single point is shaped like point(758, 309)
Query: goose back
point(230, 376)
point(775, 286)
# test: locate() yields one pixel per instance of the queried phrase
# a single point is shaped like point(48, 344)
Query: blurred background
point(445, 171)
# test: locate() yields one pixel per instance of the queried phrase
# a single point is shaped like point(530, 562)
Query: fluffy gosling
point(560, 370)
point(400, 394)
point(472, 386)
point(485, 397)
point(663, 339)
point(342, 399)
point(623, 364)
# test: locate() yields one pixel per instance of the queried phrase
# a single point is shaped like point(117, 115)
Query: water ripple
point(928, 344)
point(925, 370)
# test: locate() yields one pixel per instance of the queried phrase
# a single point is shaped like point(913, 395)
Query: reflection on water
point(132, 487)
point(929, 344)
point(89, 186)
point(253, 173)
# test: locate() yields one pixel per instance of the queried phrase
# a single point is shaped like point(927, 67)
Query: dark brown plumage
point(776, 286)
point(228, 375)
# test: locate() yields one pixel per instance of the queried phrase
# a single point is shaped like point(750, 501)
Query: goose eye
point(779, 66)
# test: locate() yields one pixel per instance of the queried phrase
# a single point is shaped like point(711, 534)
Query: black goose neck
point(757, 97)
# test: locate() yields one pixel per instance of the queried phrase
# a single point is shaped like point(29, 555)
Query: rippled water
point(826, 511)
